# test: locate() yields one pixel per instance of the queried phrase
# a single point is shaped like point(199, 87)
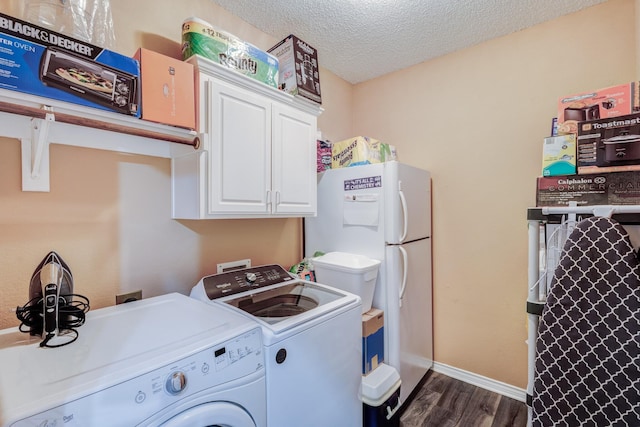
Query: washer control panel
point(132, 401)
point(234, 282)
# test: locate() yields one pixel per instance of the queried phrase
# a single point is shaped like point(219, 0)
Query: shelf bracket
point(35, 154)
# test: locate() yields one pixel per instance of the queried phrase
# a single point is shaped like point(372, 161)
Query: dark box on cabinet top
point(41, 62)
point(611, 188)
point(299, 72)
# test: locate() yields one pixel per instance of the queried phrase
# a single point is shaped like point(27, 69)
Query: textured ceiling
point(362, 39)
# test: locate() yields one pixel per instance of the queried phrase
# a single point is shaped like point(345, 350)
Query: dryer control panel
point(233, 282)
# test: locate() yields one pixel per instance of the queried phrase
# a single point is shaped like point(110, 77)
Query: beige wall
point(108, 214)
point(476, 118)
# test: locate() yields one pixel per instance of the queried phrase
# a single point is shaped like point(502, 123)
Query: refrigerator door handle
point(405, 213)
point(405, 269)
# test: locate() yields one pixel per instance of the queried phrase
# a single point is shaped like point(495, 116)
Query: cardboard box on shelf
point(609, 145)
point(611, 188)
point(603, 103)
point(323, 155)
point(299, 73)
point(167, 89)
point(360, 150)
point(203, 39)
point(38, 61)
point(559, 155)
point(372, 340)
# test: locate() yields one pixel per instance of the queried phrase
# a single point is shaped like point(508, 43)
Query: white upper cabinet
point(258, 153)
point(294, 165)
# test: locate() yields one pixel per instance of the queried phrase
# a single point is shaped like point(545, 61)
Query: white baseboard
point(481, 381)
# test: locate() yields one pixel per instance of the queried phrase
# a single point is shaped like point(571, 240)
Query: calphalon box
point(299, 73)
point(603, 103)
point(167, 89)
point(38, 61)
point(609, 145)
point(611, 188)
point(559, 155)
point(203, 39)
point(372, 340)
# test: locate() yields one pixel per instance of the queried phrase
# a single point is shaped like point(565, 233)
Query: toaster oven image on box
point(581, 114)
point(95, 82)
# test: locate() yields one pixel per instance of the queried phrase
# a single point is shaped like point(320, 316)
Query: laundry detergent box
point(608, 188)
point(299, 73)
point(38, 61)
point(203, 39)
point(360, 150)
point(603, 103)
point(559, 155)
point(372, 339)
point(167, 89)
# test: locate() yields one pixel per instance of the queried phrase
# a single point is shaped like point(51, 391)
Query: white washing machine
point(164, 361)
point(313, 343)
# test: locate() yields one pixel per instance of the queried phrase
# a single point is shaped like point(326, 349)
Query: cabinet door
point(294, 161)
point(240, 155)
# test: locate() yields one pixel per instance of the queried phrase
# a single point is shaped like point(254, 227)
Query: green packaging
point(203, 39)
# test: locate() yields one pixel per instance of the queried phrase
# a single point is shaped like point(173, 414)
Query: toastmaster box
point(372, 340)
point(609, 145)
point(299, 73)
point(167, 89)
point(612, 188)
point(41, 62)
point(603, 103)
point(203, 39)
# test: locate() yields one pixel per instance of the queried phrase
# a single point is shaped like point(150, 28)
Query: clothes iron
point(51, 286)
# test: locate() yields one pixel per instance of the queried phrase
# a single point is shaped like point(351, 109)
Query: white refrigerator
point(383, 211)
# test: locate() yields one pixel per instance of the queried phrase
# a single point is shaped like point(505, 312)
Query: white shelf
point(39, 121)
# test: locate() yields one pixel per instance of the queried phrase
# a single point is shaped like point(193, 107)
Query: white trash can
point(350, 272)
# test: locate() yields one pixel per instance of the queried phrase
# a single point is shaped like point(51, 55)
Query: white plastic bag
point(87, 20)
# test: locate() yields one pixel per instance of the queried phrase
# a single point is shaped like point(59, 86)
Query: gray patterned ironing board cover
point(587, 370)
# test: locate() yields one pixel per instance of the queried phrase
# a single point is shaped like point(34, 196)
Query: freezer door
point(363, 207)
point(408, 317)
point(408, 203)
point(350, 212)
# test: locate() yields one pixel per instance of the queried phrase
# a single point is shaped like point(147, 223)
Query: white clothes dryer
point(313, 343)
point(166, 361)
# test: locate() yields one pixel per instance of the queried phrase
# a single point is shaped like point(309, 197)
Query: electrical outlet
point(128, 297)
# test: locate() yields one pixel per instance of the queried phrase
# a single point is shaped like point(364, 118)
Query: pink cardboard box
point(604, 103)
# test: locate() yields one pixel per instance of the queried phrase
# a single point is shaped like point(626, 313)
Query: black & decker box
point(41, 62)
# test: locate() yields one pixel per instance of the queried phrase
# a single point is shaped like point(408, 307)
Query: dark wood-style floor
point(446, 402)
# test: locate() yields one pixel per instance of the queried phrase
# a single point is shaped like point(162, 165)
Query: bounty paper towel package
point(201, 38)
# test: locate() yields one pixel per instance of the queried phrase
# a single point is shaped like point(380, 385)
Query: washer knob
point(176, 382)
point(251, 278)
